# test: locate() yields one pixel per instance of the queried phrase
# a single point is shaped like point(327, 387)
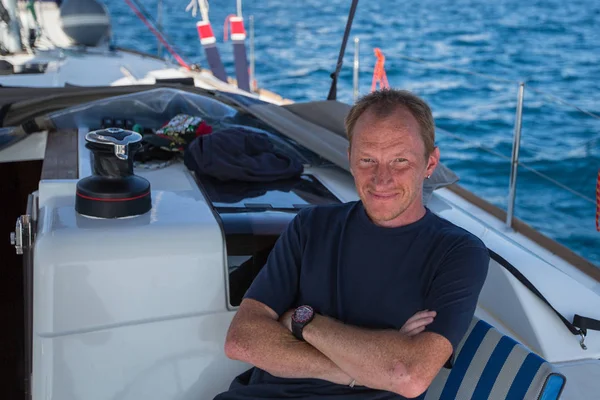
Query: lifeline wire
point(527, 167)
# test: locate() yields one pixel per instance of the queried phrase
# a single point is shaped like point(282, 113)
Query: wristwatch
point(300, 318)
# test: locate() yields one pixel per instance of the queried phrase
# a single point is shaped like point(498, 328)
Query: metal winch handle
point(119, 138)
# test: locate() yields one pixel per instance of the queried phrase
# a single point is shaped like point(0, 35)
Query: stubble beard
point(377, 211)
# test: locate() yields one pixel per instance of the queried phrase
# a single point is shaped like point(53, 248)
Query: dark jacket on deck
point(240, 154)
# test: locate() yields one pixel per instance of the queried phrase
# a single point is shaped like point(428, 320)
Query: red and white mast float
point(208, 40)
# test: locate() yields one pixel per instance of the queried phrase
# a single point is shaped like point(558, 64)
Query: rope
point(195, 4)
point(226, 26)
point(153, 165)
point(158, 35)
point(148, 16)
point(379, 75)
point(239, 8)
point(527, 167)
point(153, 21)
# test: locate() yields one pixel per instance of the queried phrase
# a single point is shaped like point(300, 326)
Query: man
point(329, 316)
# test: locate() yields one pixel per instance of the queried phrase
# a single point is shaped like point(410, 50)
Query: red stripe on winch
point(122, 199)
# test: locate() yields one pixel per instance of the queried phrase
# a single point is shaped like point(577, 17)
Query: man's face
point(387, 158)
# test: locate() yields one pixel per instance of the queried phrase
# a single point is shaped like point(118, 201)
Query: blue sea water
point(552, 45)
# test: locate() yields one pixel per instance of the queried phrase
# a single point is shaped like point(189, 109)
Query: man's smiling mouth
point(383, 195)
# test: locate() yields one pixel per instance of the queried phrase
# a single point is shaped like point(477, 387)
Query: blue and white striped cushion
point(492, 366)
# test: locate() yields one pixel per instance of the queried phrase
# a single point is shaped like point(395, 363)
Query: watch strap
point(297, 330)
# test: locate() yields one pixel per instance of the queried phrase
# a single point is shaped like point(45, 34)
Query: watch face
point(302, 314)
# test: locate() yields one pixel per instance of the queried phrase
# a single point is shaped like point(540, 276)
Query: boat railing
point(516, 164)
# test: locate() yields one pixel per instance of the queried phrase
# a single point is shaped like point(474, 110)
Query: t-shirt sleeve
point(455, 290)
point(276, 285)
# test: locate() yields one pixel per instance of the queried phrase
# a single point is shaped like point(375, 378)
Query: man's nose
point(382, 174)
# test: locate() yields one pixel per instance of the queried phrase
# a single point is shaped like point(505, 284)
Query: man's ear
point(433, 161)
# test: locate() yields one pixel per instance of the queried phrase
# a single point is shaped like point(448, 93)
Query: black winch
point(113, 191)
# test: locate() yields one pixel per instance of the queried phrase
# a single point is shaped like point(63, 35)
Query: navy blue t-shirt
point(335, 259)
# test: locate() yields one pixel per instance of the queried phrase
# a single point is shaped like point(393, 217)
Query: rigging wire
point(152, 20)
point(549, 95)
point(481, 147)
point(525, 166)
point(461, 70)
point(555, 98)
point(587, 142)
point(158, 35)
point(564, 102)
point(557, 183)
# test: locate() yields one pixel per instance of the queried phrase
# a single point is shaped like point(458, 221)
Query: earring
point(428, 176)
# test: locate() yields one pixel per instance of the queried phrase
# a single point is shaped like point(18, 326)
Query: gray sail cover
point(86, 22)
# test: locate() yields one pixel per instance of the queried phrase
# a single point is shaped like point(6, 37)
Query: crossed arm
point(403, 362)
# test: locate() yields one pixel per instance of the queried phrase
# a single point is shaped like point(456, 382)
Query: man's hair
point(385, 102)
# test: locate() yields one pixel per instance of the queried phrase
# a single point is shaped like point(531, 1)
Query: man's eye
point(400, 160)
point(366, 160)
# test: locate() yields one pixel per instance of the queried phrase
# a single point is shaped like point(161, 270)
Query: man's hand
point(413, 326)
point(417, 323)
point(286, 319)
point(401, 362)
